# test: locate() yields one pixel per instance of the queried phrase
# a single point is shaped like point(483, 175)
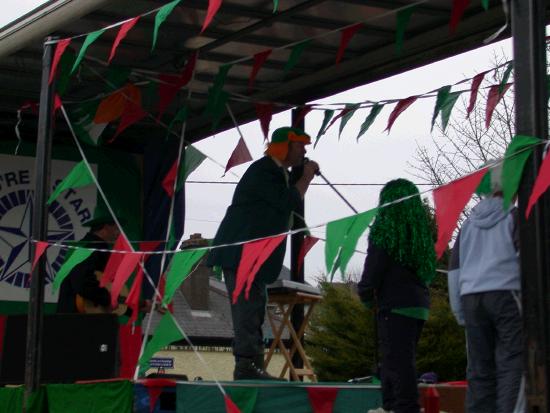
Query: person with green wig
point(399, 267)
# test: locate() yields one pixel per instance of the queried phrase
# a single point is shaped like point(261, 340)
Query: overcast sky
point(377, 158)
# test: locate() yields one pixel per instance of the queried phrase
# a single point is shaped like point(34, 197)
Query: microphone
point(317, 172)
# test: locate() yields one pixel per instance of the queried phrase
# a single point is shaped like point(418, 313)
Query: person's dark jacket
point(82, 280)
point(392, 284)
point(262, 206)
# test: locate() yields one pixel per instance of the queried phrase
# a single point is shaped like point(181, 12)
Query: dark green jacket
point(262, 205)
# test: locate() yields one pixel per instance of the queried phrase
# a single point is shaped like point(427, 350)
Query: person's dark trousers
point(398, 338)
point(248, 317)
point(495, 344)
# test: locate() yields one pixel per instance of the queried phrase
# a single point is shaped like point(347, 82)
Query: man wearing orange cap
point(262, 205)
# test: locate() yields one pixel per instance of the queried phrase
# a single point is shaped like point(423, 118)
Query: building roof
point(212, 327)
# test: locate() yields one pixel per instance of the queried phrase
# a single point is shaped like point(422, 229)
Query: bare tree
point(466, 144)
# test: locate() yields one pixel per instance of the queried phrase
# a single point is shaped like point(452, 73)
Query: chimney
point(196, 287)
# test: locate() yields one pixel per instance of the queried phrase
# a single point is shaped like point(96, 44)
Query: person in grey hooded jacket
point(484, 293)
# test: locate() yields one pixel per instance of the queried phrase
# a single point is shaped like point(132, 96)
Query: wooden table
point(285, 302)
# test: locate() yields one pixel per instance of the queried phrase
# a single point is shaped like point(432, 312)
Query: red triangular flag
point(129, 339)
point(541, 184)
point(230, 407)
point(401, 106)
point(492, 100)
point(168, 89)
point(253, 256)
point(122, 32)
point(449, 202)
point(40, 247)
point(132, 114)
point(240, 155)
point(125, 269)
point(345, 37)
point(259, 60)
point(473, 92)
point(132, 301)
point(459, 6)
point(264, 112)
point(213, 7)
point(307, 244)
point(170, 85)
point(59, 49)
point(154, 393)
point(148, 246)
point(301, 116)
point(169, 179)
point(187, 73)
point(56, 103)
point(121, 244)
point(322, 398)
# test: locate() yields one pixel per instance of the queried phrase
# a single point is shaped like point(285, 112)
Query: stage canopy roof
point(240, 30)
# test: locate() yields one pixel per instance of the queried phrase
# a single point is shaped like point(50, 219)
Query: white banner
point(66, 216)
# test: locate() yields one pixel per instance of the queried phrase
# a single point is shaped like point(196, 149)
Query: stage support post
point(42, 171)
point(296, 241)
point(528, 29)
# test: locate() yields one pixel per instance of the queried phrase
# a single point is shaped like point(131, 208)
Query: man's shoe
point(246, 369)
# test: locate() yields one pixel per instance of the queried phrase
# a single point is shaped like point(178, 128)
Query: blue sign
point(162, 362)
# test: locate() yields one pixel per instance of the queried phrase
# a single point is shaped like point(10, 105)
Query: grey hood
point(488, 213)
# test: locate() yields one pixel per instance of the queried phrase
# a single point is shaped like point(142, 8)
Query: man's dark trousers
point(494, 334)
point(248, 316)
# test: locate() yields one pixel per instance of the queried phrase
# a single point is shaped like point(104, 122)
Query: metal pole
point(528, 29)
point(296, 241)
point(39, 226)
point(337, 192)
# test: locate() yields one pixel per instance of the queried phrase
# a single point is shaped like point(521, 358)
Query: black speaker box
point(74, 347)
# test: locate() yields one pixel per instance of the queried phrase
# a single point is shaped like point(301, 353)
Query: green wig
point(404, 229)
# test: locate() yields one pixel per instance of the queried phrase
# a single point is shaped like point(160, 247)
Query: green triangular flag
point(512, 168)
point(447, 108)
point(180, 116)
point(92, 37)
point(167, 332)
point(180, 268)
point(243, 397)
point(79, 255)
point(505, 77)
point(485, 187)
point(275, 5)
point(77, 178)
point(218, 108)
point(160, 17)
point(295, 54)
point(220, 78)
point(329, 113)
point(345, 119)
point(376, 109)
point(485, 4)
point(402, 20)
point(64, 70)
point(342, 236)
point(442, 95)
point(193, 158)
